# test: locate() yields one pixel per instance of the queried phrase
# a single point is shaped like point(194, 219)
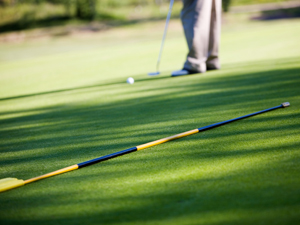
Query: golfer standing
point(201, 20)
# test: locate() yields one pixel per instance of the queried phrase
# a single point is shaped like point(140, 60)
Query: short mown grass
point(66, 100)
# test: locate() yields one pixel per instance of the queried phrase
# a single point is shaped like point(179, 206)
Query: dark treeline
point(81, 9)
point(87, 9)
point(27, 14)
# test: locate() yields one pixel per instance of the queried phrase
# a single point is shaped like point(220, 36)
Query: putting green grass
point(65, 100)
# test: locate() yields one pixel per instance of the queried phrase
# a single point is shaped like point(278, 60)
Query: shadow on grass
point(283, 13)
point(105, 21)
point(65, 123)
point(25, 24)
point(162, 190)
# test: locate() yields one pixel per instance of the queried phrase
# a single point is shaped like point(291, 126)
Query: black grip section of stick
point(238, 118)
point(106, 157)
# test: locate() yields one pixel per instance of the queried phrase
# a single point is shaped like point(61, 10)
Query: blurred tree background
point(25, 14)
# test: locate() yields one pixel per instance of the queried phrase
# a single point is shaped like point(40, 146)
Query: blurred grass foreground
point(27, 14)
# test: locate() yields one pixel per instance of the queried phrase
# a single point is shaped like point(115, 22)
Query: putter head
point(285, 104)
point(154, 73)
point(10, 183)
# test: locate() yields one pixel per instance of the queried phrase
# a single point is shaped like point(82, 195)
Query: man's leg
point(214, 36)
point(196, 20)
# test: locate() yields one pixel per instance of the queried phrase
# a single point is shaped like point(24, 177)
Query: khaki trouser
point(201, 20)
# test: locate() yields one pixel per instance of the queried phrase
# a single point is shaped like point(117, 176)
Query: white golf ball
point(130, 80)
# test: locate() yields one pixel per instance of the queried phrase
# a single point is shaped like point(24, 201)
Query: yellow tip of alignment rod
point(10, 183)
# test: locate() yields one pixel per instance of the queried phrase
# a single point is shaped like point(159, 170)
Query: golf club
point(163, 40)
point(10, 183)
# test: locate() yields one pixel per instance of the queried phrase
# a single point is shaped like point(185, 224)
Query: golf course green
point(65, 100)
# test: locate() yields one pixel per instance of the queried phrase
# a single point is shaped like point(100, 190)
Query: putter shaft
point(163, 39)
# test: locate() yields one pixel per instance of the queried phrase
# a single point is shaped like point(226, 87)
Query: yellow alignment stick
point(10, 183)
